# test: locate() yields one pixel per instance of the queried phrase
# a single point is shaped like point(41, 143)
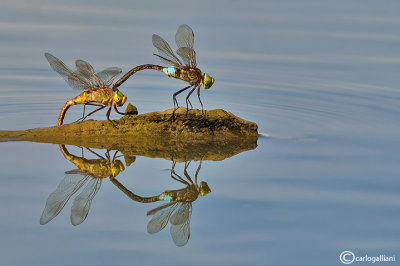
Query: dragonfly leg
point(108, 117)
point(84, 108)
point(98, 155)
point(115, 156)
point(177, 177)
point(188, 101)
point(98, 109)
point(197, 172)
point(83, 115)
point(116, 110)
point(107, 154)
point(175, 101)
point(198, 95)
point(185, 172)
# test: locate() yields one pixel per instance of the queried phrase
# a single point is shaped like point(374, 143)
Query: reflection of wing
point(180, 233)
point(184, 36)
point(87, 71)
point(161, 217)
point(182, 214)
point(180, 228)
point(75, 171)
point(165, 51)
point(59, 197)
point(188, 56)
point(74, 80)
point(109, 74)
point(83, 201)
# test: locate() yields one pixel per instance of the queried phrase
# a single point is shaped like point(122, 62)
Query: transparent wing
point(75, 171)
point(59, 197)
point(153, 211)
point(165, 51)
point(182, 214)
point(161, 217)
point(181, 232)
point(184, 36)
point(74, 80)
point(83, 201)
point(188, 56)
point(87, 71)
point(109, 74)
point(167, 61)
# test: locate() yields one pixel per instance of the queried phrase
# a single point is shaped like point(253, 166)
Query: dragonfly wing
point(109, 74)
point(181, 232)
point(181, 215)
point(188, 56)
point(167, 61)
point(165, 51)
point(83, 201)
point(74, 80)
point(87, 71)
point(153, 211)
point(184, 36)
point(160, 218)
point(59, 197)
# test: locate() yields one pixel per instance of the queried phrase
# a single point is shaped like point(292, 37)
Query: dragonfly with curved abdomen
point(95, 86)
point(90, 172)
point(186, 71)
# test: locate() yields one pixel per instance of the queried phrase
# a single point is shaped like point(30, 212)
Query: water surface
point(319, 78)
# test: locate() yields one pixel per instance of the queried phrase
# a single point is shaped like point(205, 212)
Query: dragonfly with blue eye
point(188, 71)
point(95, 86)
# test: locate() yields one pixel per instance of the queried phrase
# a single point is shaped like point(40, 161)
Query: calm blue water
point(320, 78)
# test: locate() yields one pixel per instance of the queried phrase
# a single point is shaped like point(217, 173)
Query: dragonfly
point(178, 207)
point(95, 86)
point(186, 71)
point(90, 172)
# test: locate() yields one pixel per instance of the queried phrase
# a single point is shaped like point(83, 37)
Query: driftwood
point(215, 135)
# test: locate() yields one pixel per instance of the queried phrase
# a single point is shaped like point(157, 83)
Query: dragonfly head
point(204, 188)
point(119, 98)
point(117, 167)
point(208, 81)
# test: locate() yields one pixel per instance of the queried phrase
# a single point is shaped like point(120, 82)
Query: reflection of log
point(215, 136)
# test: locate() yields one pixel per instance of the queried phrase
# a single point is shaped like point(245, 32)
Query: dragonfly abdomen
point(81, 98)
point(170, 71)
point(134, 70)
point(165, 197)
point(102, 95)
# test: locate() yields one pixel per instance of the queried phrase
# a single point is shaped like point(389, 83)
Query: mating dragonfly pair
point(97, 89)
point(88, 177)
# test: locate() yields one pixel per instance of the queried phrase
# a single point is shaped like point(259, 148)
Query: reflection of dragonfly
point(178, 208)
point(90, 171)
point(188, 71)
point(95, 87)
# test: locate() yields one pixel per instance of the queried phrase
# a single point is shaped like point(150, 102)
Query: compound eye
point(208, 81)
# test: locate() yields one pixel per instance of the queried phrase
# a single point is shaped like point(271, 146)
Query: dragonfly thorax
point(191, 75)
